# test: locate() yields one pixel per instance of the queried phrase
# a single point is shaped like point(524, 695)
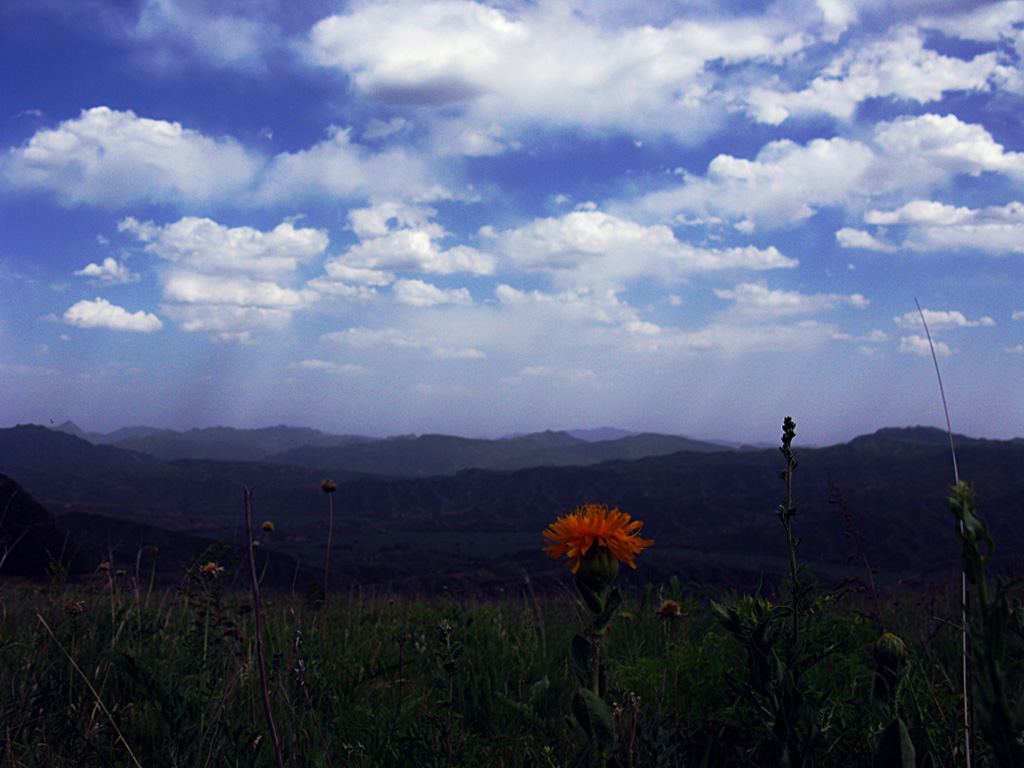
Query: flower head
point(329, 486)
point(268, 527)
point(575, 534)
point(211, 570)
point(669, 611)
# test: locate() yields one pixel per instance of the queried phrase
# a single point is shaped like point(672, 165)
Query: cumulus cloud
point(918, 345)
point(203, 245)
point(934, 226)
point(113, 158)
point(379, 338)
point(326, 366)
point(341, 168)
point(732, 338)
point(856, 238)
point(555, 374)
point(787, 183)
point(110, 272)
point(100, 313)
point(898, 67)
point(941, 320)
point(175, 34)
point(229, 280)
point(756, 299)
point(543, 63)
point(987, 22)
point(590, 247)
point(397, 236)
point(417, 293)
point(193, 288)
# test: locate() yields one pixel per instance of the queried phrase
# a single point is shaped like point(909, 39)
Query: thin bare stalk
point(328, 487)
point(964, 594)
point(259, 629)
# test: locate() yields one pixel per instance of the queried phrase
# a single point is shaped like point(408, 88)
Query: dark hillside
point(30, 538)
point(29, 445)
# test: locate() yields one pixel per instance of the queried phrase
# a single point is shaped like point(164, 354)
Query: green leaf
point(581, 660)
point(596, 720)
point(894, 748)
point(611, 605)
point(590, 597)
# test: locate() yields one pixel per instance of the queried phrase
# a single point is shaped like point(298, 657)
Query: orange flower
point(574, 534)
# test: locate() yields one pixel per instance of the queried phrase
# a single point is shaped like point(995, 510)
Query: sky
point(480, 218)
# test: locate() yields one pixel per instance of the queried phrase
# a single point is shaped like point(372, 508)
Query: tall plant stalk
point(259, 630)
point(329, 487)
point(964, 593)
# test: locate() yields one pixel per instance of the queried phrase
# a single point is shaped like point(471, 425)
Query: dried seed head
point(329, 486)
point(669, 611)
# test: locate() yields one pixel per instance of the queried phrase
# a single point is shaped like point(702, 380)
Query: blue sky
point(484, 218)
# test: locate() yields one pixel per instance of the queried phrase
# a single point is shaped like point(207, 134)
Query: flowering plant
point(596, 540)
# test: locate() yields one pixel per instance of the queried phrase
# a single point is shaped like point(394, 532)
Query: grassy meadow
point(100, 675)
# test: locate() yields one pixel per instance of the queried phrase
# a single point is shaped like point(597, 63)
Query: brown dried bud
point(329, 486)
point(669, 611)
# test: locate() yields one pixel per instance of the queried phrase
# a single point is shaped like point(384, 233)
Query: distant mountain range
point(403, 456)
point(454, 505)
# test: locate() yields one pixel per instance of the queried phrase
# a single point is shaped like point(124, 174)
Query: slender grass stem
point(964, 593)
point(259, 630)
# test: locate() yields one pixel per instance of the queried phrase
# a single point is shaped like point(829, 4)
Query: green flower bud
point(598, 569)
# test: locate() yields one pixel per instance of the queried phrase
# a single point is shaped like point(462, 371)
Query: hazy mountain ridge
point(720, 504)
point(400, 456)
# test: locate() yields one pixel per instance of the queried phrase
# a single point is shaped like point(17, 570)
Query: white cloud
point(941, 320)
point(114, 158)
point(205, 246)
point(422, 340)
point(398, 236)
point(856, 238)
point(756, 299)
point(939, 226)
point(326, 366)
point(569, 375)
point(110, 272)
point(174, 33)
point(191, 288)
point(445, 353)
point(1018, 315)
point(229, 280)
point(918, 345)
point(337, 167)
point(898, 67)
point(733, 338)
point(602, 307)
point(417, 293)
point(787, 183)
point(590, 247)
point(543, 63)
point(989, 22)
point(102, 314)
point(228, 322)
point(111, 158)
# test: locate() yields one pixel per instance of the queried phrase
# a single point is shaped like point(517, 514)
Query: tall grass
point(180, 687)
